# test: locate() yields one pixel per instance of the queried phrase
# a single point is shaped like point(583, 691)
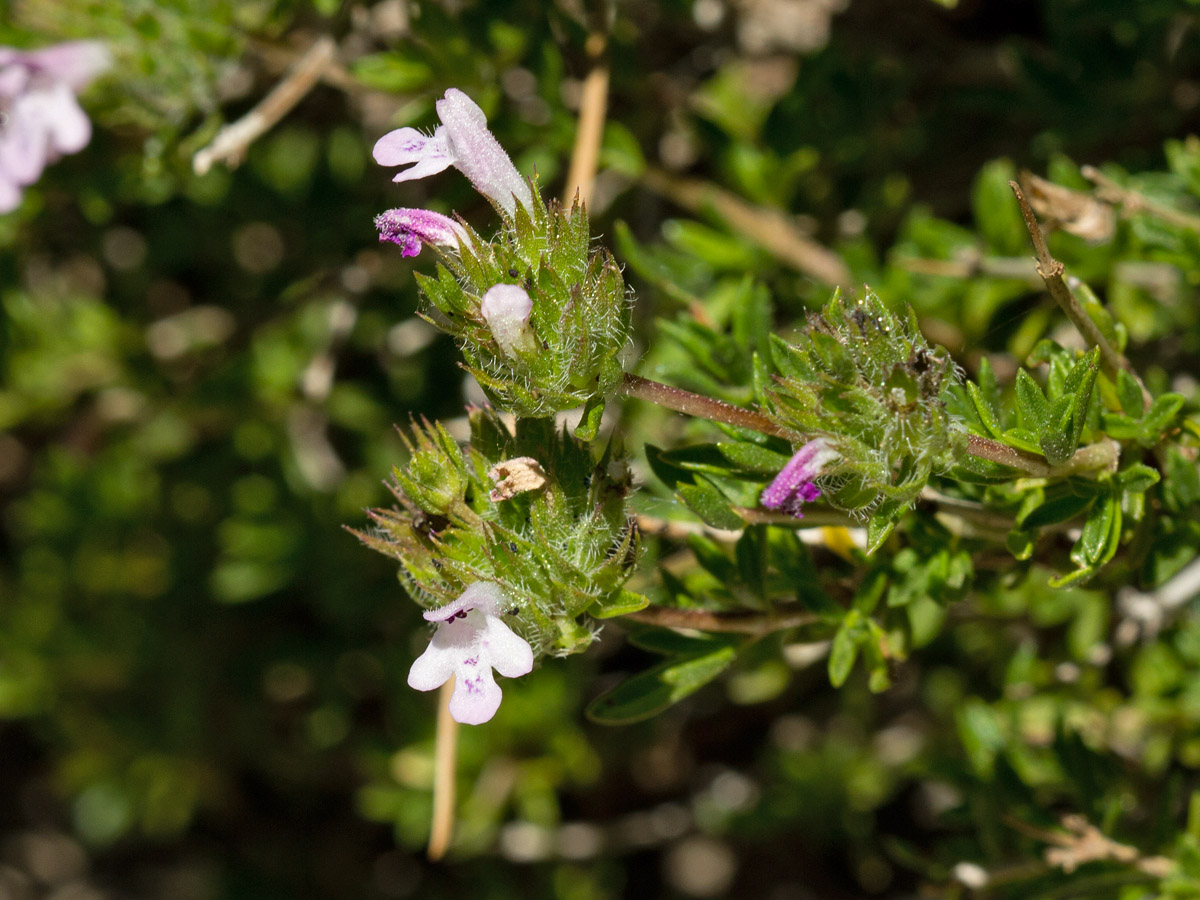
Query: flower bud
point(506, 309)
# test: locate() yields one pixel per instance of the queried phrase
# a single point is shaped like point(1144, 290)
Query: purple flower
point(795, 484)
point(462, 141)
point(506, 309)
point(40, 119)
point(410, 228)
point(471, 641)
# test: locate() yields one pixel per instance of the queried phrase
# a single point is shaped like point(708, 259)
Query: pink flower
point(506, 309)
point(410, 228)
point(40, 119)
point(462, 141)
point(471, 641)
point(795, 484)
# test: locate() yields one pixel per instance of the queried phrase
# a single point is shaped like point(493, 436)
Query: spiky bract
point(558, 551)
point(580, 316)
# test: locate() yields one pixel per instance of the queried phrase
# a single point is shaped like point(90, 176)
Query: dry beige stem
point(1085, 843)
point(515, 476)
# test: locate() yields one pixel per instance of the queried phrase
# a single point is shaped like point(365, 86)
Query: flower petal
point(482, 595)
point(476, 695)
point(506, 309)
point(478, 155)
point(407, 145)
point(67, 128)
point(75, 63)
point(431, 669)
point(507, 652)
point(23, 144)
point(410, 228)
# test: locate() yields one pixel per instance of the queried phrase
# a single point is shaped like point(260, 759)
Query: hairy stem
point(739, 622)
point(700, 406)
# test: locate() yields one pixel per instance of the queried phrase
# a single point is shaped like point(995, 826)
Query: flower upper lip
point(463, 141)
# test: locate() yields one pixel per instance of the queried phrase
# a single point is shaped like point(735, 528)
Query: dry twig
point(1051, 271)
point(593, 105)
point(771, 229)
point(233, 140)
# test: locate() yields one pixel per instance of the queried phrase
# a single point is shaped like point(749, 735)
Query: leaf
point(589, 422)
point(620, 604)
point(650, 692)
point(753, 458)
point(881, 523)
point(1138, 478)
point(844, 651)
point(1159, 418)
point(983, 408)
point(1032, 404)
point(1129, 395)
point(709, 504)
point(1060, 508)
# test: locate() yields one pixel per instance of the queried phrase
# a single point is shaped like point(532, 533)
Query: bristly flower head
point(40, 119)
point(534, 512)
point(866, 378)
point(470, 641)
point(795, 484)
point(542, 315)
point(410, 228)
point(462, 141)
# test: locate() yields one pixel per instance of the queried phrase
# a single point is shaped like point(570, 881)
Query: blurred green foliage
point(199, 376)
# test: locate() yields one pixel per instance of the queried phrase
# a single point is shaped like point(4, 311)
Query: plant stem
point(771, 229)
point(734, 622)
point(232, 141)
point(986, 448)
point(1101, 456)
point(445, 755)
point(593, 103)
point(1051, 271)
point(698, 405)
point(1134, 201)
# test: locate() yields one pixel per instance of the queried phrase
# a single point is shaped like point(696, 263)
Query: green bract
point(580, 317)
point(561, 547)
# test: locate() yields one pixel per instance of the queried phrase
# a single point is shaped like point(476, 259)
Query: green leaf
point(753, 458)
point(709, 504)
point(987, 415)
point(844, 651)
point(1138, 478)
point(1062, 507)
point(649, 693)
point(1159, 418)
point(981, 735)
point(620, 604)
point(881, 523)
point(1129, 395)
point(1032, 404)
point(589, 422)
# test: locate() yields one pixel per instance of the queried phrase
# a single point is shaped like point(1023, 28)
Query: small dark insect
point(513, 273)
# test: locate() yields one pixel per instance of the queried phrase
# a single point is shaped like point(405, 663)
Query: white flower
point(40, 119)
point(471, 641)
point(462, 141)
